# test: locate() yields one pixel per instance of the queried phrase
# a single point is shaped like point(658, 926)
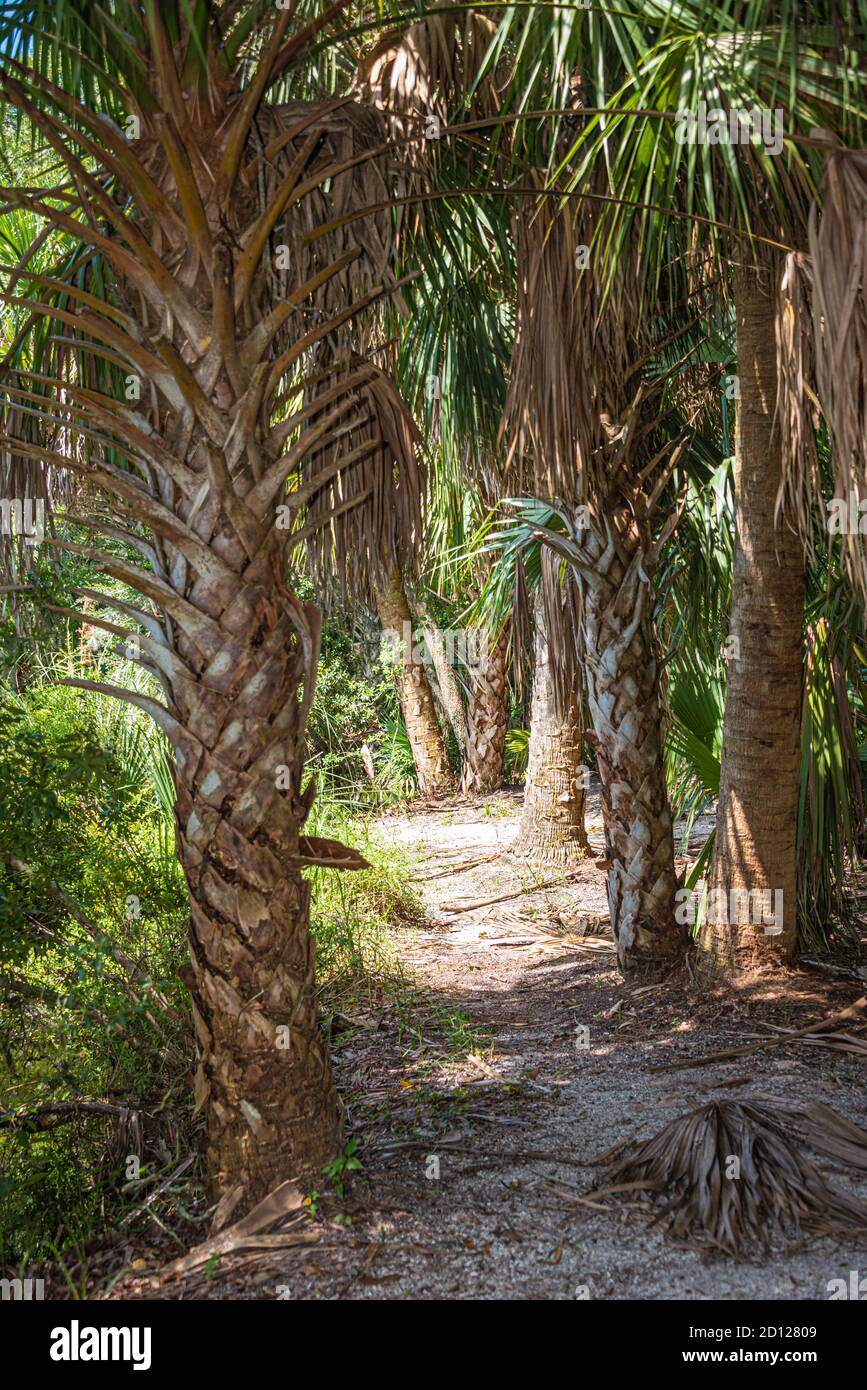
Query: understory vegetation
point(94, 930)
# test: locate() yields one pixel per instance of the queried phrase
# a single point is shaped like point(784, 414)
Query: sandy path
point(472, 1163)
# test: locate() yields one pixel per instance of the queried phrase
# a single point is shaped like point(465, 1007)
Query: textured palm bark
point(237, 656)
point(487, 716)
point(622, 675)
point(759, 777)
point(426, 740)
point(264, 1070)
point(551, 827)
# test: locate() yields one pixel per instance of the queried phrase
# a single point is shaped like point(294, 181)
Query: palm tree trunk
point(449, 692)
point(759, 778)
point(264, 1070)
point(487, 715)
point(552, 819)
point(622, 675)
point(426, 740)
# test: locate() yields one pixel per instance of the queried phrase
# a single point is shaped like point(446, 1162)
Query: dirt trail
point(473, 1163)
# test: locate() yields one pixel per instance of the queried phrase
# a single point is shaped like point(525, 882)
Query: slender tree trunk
point(487, 715)
point(552, 819)
point(759, 778)
point(622, 675)
point(447, 682)
point(426, 740)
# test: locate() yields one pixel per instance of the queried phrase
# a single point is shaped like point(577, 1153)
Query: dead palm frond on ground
point(728, 1175)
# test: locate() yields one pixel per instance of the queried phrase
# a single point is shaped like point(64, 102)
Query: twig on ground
point(60, 1112)
point(516, 893)
point(462, 868)
point(845, 1015)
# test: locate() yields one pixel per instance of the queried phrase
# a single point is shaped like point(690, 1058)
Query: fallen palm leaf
point(829, 1133)
point(835, 1042)
point(729, 1172)
point(328, 854)
point(285, 1201)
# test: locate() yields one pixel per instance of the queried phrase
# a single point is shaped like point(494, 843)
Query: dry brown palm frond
point(545, 416)
point(422, 70)
point(829, 1133)
point(415, 78)
point(577, 402)
point(797, 401)
point(838, 248)
point(363, 484)
point(355, 549)
point(727, 1174)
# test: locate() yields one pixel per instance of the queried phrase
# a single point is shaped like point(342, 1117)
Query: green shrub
point(93, 912)
point(93, 918)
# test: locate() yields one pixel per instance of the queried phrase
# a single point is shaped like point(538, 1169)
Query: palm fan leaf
point(838, 248)
point(727, 1174)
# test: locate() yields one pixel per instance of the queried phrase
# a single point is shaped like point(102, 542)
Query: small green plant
point(347, 1162)
point(517, 754)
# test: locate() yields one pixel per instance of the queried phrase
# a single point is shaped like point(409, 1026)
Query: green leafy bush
point(92, 922)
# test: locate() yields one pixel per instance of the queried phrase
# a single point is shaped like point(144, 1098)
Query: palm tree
point(759, 60)
point(213, 401)
point(761, 746)
point(451, 367)
point(688, 212)
point(487, 717)
point(580, 405)
point(551, 828)
point(416, 698)
point(695, 589)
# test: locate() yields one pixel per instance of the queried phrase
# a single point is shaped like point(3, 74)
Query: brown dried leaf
point(328, 854)
point(700, 1200)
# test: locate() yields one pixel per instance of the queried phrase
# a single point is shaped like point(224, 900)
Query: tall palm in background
point(580, 404)
point(665, 221)
point(454, 365)
point(754, 201)
point(425, 736)
point(451, 367)
point(450, 364)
